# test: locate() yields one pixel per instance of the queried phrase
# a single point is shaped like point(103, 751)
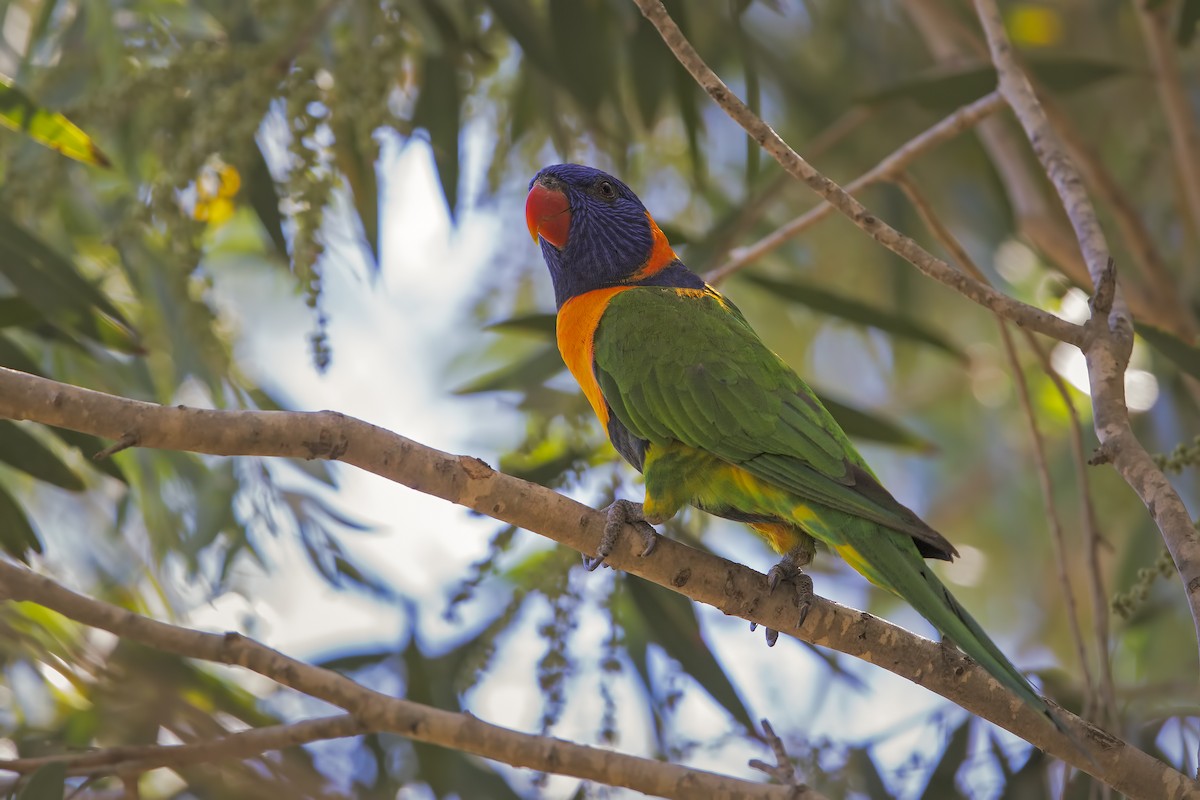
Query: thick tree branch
point(1110, 331)
point(732, 588)
point(903, 246)
point(241, 745)
point(893, 164)
point(379, 712)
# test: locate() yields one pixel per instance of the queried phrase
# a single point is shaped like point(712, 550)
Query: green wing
point(685, 366)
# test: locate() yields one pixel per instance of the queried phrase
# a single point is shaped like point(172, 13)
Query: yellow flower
point(215, 189)
point(1034, 25)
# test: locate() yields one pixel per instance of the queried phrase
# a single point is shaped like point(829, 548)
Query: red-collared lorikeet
point(691, 397)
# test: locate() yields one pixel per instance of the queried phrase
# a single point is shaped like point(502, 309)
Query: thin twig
point(241, 745)
point(783, 770)
point(1110, 334)
point(1164, 306)
point(378, 711)
point(731, 588)
point(758, 202)
point(960, 256)
point(791, 161)
point(1175, 103)
point(961, 120)
point(1157, 301)
point(1093, 541)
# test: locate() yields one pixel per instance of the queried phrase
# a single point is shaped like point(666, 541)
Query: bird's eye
point(607, 190)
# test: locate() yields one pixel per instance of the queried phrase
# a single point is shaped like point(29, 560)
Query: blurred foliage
point(253, 132)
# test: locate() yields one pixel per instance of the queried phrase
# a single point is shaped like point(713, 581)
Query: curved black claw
point(621, 513)
point(804, 596)
point(789, 569)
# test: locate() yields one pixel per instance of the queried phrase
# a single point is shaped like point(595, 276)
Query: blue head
point(595, 232)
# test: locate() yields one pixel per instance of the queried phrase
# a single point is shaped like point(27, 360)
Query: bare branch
point(961, 120)
point(1092, 540)
point(1039, 223)
point(1017, 90)
point(377, 711)
point(240, 745)
point(963, 258)
point(1110, 335)
point(1175, 104)
point(903, 246)
point(731, 588)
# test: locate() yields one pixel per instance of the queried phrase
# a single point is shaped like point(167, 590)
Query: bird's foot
point(619, 514)
point(790, 569)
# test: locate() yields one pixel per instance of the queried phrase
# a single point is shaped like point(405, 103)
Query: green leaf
point(89, 445)
point(650, 67)
point(359, 169)
point(46, 783)
point(687, 95)
point(865, 425)
point(48, 280)
point(1183, 355)
point(259, 186)
point(866, 777)
point(16, 312)
point(520, 375)
point(670, 620)
point(520, 19)
point(1189, 17)
point(14, 357)
point(20, 113)
point(941, 782)
point(836, 305)
point(945, 89)
point(17, 535)
point(581, 34)
point(432, 681)
point(1027, 782)
point(540, 325)
point(748, 52)
point(437, 111)
point(22, 450)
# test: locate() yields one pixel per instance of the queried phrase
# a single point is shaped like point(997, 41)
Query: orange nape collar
point(661, 254)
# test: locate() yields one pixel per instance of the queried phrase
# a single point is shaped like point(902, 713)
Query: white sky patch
point(968, 569)
point(1141, 386)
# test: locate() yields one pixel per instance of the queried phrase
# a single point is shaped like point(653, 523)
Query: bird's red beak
point(548, 215)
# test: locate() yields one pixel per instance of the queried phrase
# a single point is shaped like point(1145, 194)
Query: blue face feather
point(609, 238)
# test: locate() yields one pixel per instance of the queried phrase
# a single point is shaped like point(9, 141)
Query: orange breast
point(576, 331)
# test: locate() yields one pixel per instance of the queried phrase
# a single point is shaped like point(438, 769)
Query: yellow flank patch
point(855, 559)
point(575, 329)
point(781, 537)
point(678, 474)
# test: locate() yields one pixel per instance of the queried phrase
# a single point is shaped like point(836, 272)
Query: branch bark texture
point(1024, 315)
point(1108, 336)
point(1110, 330)
point(960, 121)
point(380, 712)
point(730, 587)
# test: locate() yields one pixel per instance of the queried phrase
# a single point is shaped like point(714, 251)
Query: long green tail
point(891, 561)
